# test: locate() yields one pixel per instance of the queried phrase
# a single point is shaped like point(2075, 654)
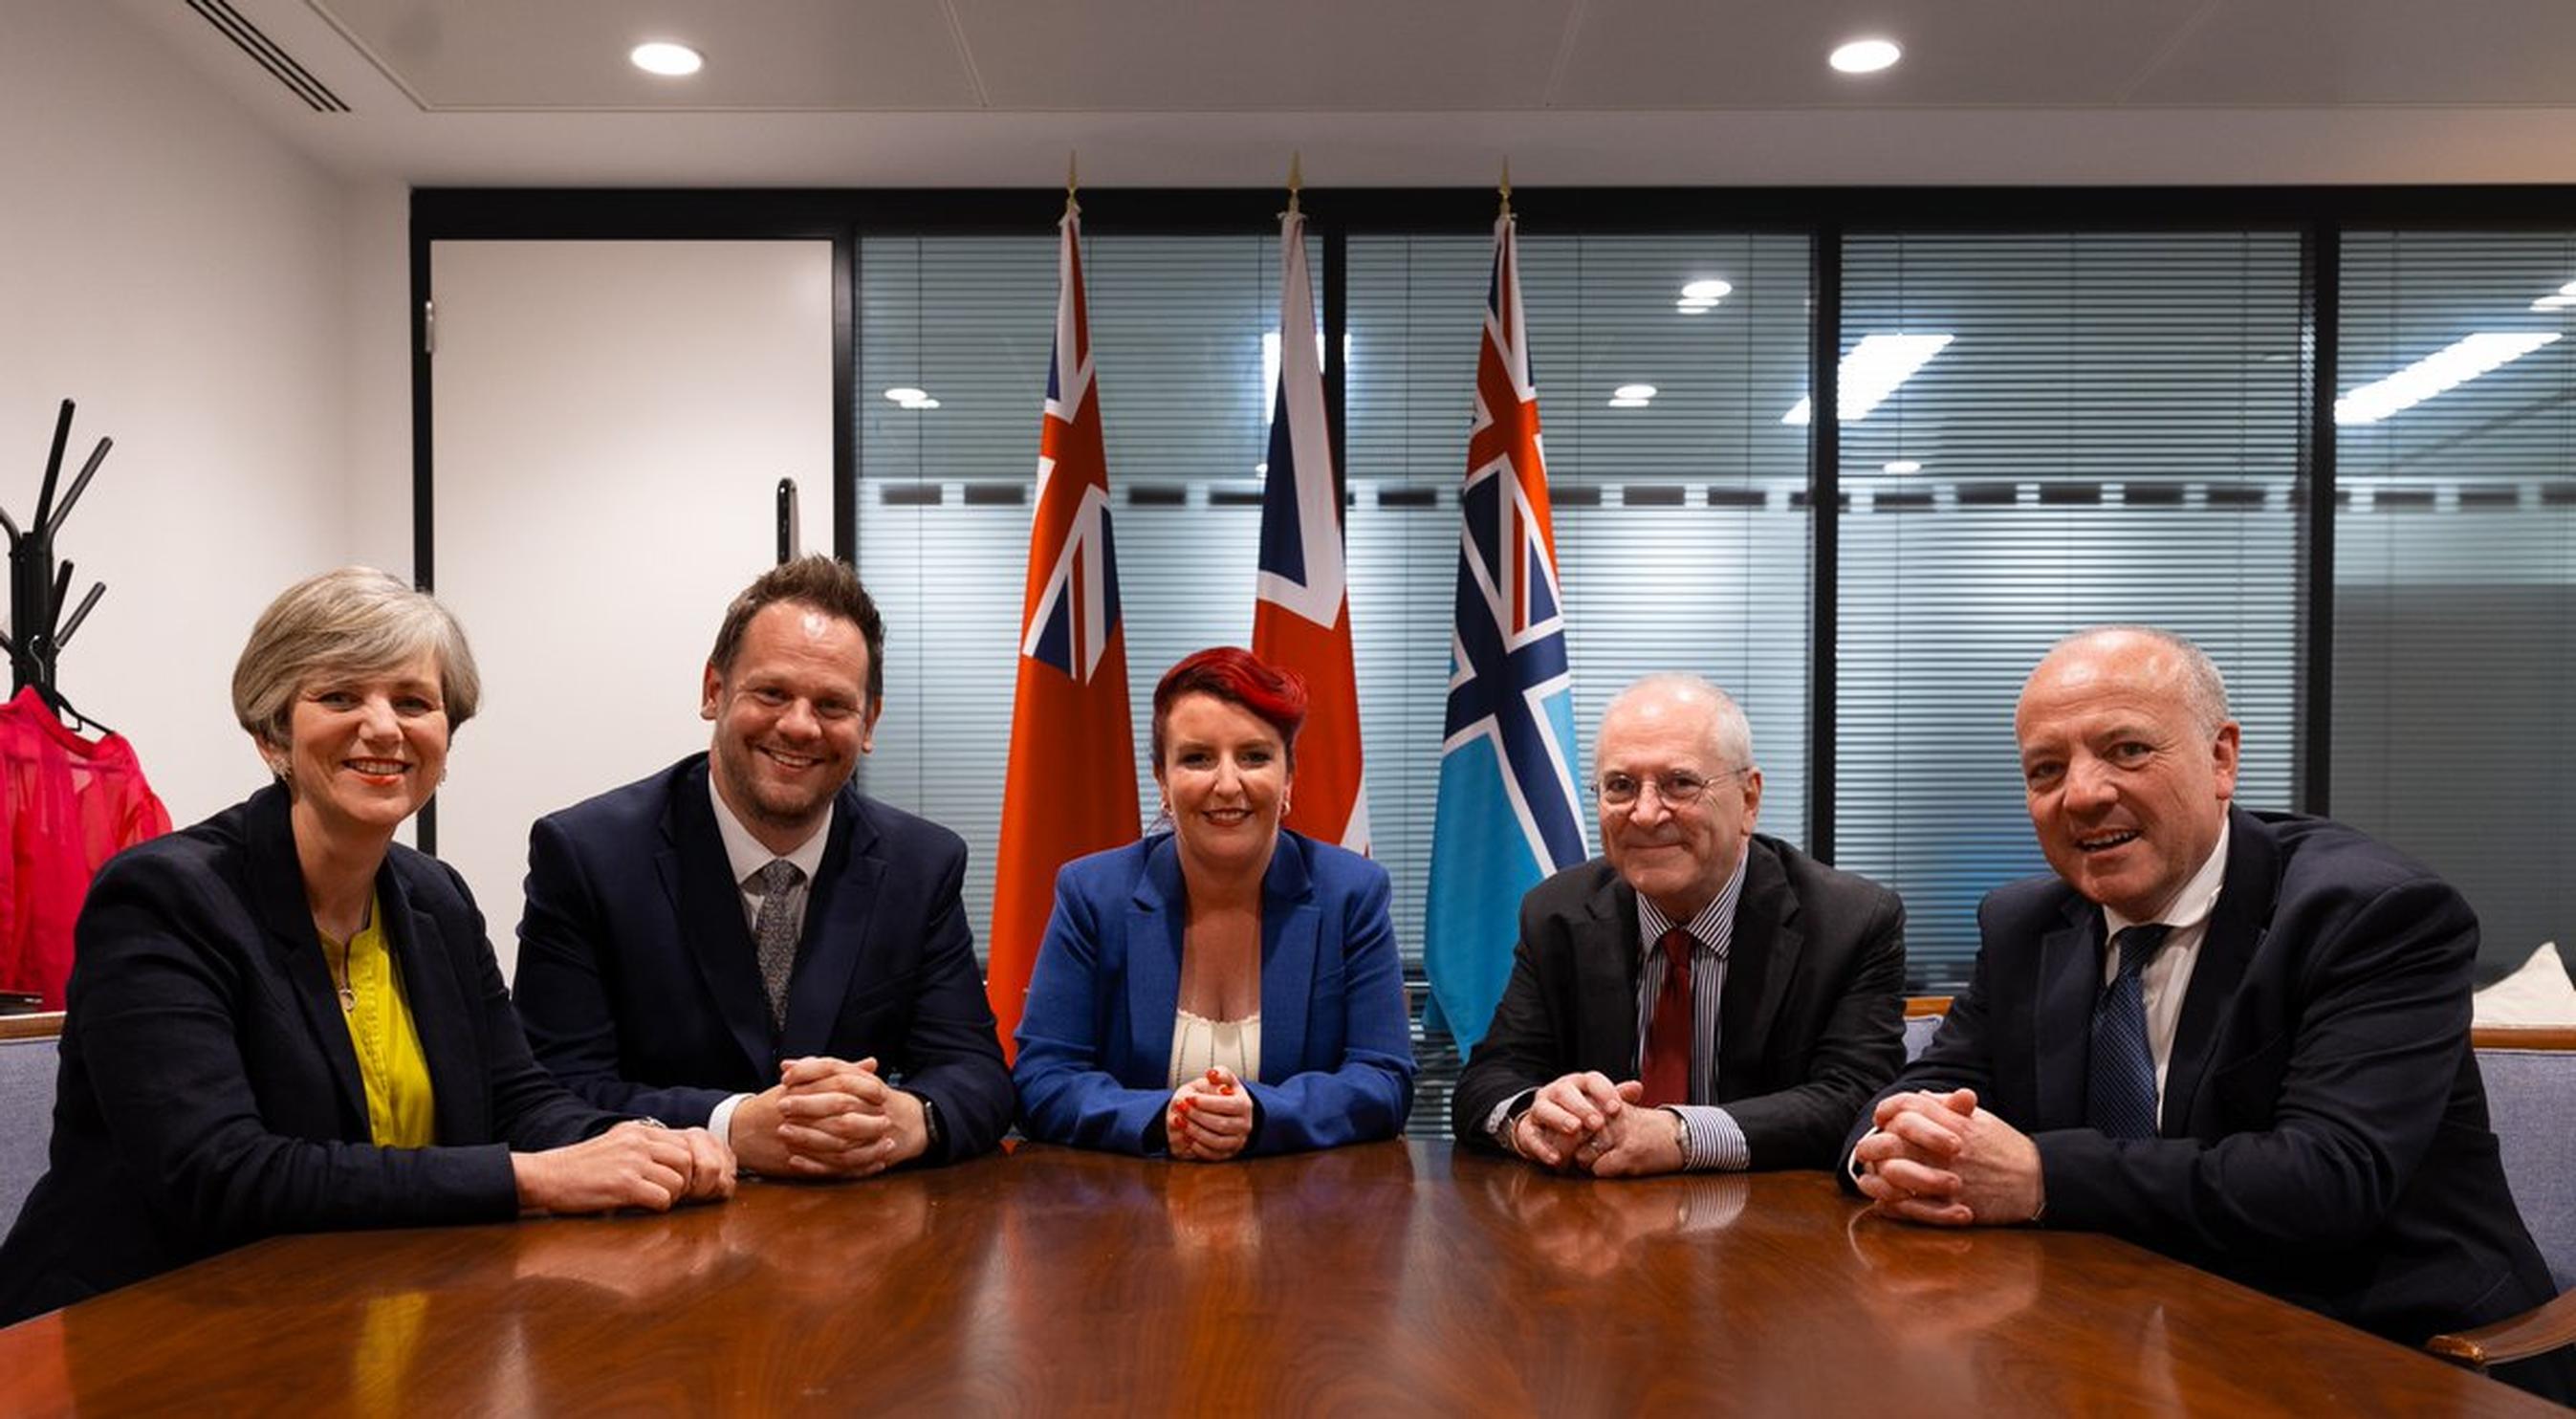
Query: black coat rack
point(38, 630)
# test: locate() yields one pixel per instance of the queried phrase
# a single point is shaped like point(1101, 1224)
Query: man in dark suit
point(1703, 997)
point(2239, 1039)
point(743, 940)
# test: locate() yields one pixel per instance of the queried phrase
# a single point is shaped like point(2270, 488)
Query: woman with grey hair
point(281, 1021)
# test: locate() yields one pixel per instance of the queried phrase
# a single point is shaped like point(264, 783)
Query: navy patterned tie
point(782, 893)
point(2120, 1083)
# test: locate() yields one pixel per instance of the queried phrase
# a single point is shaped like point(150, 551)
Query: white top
point(1200, 1044)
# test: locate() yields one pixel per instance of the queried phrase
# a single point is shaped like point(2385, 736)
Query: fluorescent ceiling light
point(2453, 365)
point(1633, 391)
point(1901, 465)
point(1865, 56)
point(1871, 372)
point(1708, 292)
point(665, 58)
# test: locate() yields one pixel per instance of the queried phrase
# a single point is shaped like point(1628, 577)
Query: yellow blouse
point(396, 1073)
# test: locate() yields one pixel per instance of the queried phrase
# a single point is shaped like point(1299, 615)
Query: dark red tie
point(1668, 1038)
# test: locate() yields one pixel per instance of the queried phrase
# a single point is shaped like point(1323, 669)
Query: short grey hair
point(2204, 690)
point(1727, 725)
point(356, 620)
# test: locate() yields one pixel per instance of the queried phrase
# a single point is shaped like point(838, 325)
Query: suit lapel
point(1289, 921)
point(2070, 976)
point(698, 878)
point(1762, 958)
point(2236, 927)
point(837, 914)
point(1605, 982)
point(458, 1093)
point(295, 948)
point(1156, 913)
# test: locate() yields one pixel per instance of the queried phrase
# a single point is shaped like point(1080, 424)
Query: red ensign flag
point(1071, 785)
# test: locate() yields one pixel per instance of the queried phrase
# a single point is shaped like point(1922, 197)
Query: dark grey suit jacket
point(2325, 1130)
point(640, 986)
point(1811, 1025)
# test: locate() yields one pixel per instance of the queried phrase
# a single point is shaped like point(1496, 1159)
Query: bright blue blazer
point(1095, 1040)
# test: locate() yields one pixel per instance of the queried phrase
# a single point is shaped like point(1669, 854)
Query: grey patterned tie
point(782, 897)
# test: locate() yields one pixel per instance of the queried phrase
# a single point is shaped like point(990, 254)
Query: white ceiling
point(1435, 92)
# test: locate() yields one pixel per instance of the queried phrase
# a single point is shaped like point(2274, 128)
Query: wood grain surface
point(1389, 1278)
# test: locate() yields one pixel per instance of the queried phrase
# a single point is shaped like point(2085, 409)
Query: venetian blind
point(2455, 567)
point(2075, 429)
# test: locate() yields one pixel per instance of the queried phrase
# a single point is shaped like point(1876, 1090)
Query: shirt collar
point(1715, 922)
point(745, 854)
point(2192, 905)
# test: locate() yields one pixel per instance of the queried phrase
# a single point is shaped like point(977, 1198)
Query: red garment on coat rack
point(68, 805)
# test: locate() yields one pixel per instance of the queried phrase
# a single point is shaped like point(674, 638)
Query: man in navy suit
point(744, 941)
point(2239, 1039)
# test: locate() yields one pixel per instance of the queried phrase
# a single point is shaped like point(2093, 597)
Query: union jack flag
point(1508, 814)
point(1070, 788)
point(1301, 610)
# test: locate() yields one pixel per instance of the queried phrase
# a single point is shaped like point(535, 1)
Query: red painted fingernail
point(1185, 1103)
point(1226, 1089)
point(1212, 1075)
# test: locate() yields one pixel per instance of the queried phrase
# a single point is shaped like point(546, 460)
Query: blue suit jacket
point(640, 986)
point(1096, 1039)
point(2324, 1133)
point(209, 1093)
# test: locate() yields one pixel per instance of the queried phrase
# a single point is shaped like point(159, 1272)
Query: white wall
point(183, 275)
point(612, 419)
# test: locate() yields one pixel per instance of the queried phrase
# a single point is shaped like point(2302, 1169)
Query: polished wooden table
point(1389, 1278)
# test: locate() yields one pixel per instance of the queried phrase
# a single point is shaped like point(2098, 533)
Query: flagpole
point(1072, 183)
point(1296, 181)
point(1505, 187)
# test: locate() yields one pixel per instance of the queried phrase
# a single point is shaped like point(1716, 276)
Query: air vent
point(282, 66)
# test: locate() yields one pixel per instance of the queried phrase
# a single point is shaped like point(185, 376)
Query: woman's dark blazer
point(209, 1095)
point(1096, 1039)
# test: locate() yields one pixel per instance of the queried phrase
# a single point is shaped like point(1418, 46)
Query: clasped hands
point(828, 1118)
point(635, 1164)
point(1209, 1119)
point(1941, 1160)
point(1583, 1123)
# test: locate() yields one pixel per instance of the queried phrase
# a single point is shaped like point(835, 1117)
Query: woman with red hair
point(1223, 988)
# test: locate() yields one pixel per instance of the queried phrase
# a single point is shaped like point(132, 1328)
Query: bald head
point(1677, 789)
point(2128, 761)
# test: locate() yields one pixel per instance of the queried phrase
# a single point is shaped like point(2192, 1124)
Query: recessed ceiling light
point(1901, 465)
point(663, 57)
point(906, 394)
point(1865, 56)
point(1707, 292)
point(1639, 392)
point(1629, 403)
point(1693, 307)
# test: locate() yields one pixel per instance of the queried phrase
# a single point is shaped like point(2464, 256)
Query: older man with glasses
point(1702, 996)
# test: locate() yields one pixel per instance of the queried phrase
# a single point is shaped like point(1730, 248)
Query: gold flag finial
point(1296, 180)
point(1506, 187)
point(1071, 182)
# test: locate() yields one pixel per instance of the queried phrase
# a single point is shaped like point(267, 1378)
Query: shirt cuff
point(720, 1120)
point(1498, 1124)
point(1712, 1142)
point(1851, 1161)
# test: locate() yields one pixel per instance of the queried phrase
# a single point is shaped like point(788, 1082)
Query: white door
point(610, 422)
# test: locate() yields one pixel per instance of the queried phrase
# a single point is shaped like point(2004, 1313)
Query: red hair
point(1272, 695)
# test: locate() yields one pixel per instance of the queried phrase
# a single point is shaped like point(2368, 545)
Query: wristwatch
point(931, 1133)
